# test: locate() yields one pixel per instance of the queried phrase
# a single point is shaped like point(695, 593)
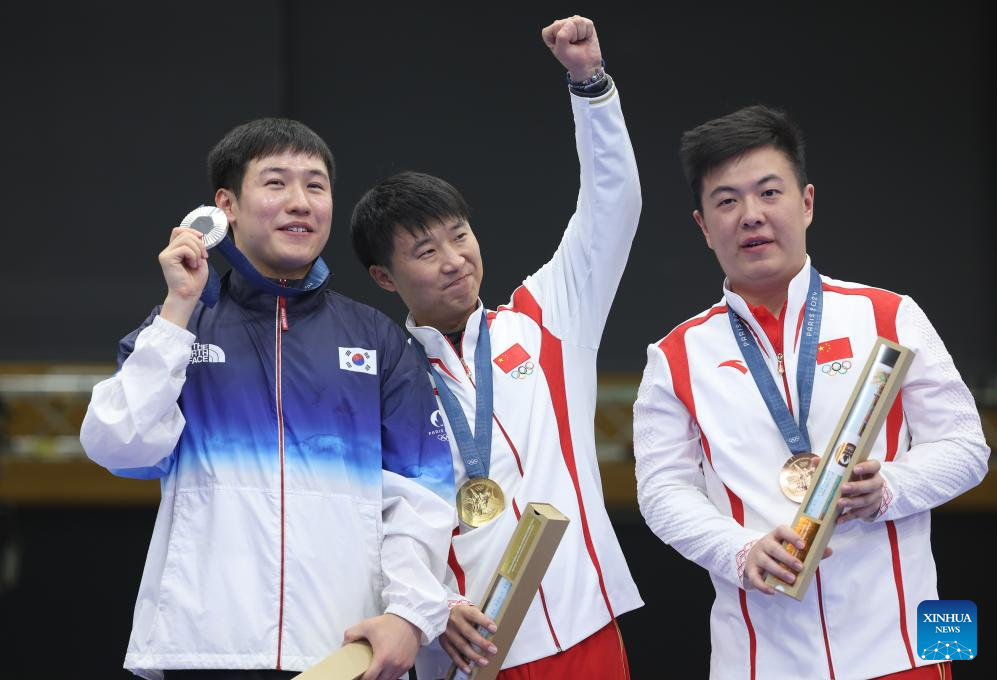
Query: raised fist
point(575, 44)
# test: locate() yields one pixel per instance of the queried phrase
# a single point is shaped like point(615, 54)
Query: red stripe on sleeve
point(674, 349)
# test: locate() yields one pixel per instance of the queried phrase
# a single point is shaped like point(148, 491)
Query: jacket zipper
point(785, 381)
point(281, 325)
point(282, 309)
point(820, 597)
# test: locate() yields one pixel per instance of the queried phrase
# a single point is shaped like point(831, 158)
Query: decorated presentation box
point(510, 593)
point(860, 423)
point(516, 582)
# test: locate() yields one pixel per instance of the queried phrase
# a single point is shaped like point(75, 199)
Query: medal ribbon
point(476, 449)
point(316, 275)
point(796, 436)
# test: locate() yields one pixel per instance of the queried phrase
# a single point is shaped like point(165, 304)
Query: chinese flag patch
point(834, 350)
point(511, 358)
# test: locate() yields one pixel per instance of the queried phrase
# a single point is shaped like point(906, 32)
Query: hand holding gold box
point(516, 582)
point(863, 418)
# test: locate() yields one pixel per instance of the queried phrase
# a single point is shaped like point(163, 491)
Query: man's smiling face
point(283, 215)
point(437, 272)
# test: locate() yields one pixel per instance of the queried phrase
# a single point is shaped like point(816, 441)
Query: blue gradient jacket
point(303, 485)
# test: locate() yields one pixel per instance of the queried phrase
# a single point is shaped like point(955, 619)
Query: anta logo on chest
point(204, 353)
point(515, 362)
point(736, 364)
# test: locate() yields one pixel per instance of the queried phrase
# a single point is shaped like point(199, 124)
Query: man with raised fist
point(522, 378)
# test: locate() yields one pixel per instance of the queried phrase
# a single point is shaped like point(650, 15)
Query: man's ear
point(382, 277)
point(226, 200)
point(808, 205)
point(698, 216)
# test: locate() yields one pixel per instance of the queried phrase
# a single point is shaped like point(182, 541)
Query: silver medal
point(208, 220)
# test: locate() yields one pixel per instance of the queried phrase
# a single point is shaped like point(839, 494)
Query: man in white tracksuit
point(709, 453)
point(412, 232)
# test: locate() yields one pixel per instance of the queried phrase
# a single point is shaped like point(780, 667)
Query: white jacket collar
point(796, 298)
point(438, 347)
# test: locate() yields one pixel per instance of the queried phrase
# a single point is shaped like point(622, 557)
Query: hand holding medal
point(185, 261)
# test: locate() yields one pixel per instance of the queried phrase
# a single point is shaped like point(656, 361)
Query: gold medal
point(794, 477)
point(479, 501)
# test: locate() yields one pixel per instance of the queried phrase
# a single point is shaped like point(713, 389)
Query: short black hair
point(410, 200)
point(259, 138)
point(706, 147)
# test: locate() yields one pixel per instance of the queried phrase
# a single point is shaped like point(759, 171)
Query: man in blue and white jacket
point(304, 490)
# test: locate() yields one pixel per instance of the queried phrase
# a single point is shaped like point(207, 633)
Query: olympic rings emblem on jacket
point(836, 367)
point(522, 372)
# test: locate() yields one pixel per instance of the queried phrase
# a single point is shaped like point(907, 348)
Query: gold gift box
point(516, 582)
point(349, 662)
point(860, 423)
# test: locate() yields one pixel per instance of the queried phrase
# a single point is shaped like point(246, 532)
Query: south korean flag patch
point(358, 359)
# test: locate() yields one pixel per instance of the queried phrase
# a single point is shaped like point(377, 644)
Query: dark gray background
point(111, 113)
point(111, 108)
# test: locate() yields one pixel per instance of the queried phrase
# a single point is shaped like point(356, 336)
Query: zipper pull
point(282, 306)
point(282, 309)
point(782, 366)
point(467, 370)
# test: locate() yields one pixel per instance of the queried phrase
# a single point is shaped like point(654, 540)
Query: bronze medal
point(479, 501)
point(794, 477)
